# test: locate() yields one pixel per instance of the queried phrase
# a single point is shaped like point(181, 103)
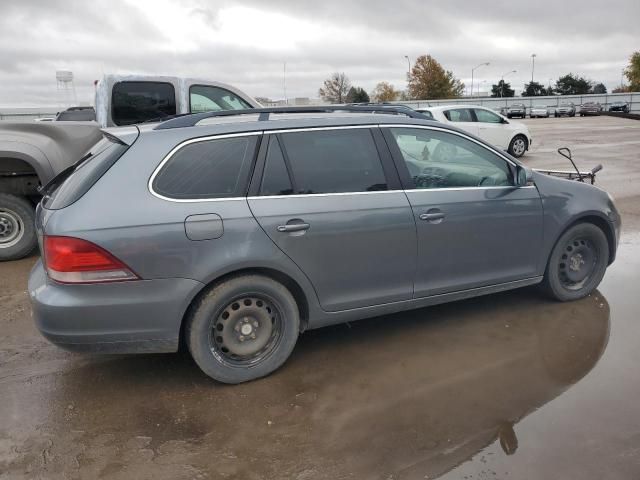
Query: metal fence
point(633, 99)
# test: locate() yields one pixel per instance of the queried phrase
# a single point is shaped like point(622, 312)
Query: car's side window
point(334, 161)
point(486, 116)
point(459, 115)
point(437, 159)
point(206, 98)
point(215, 168)
point(275, 179)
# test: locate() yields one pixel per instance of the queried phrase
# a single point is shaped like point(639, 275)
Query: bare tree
point(385, 92)
point(335, 88)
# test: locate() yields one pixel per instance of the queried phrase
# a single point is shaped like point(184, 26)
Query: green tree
point(385, 92)
point(600, 88)
point(357, 95)
point(571, 84)
point(534, 89)
point(429, 80)
point(632, 72)
point(335, 88)
point(502, 89)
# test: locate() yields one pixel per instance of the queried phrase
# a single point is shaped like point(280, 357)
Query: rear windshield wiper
point(47, 188)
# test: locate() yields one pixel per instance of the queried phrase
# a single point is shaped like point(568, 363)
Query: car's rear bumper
point(119, 317)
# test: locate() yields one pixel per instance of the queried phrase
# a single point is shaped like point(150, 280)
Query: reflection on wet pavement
point(404, 396)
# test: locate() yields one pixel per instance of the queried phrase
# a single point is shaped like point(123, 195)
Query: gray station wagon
point(233, 232)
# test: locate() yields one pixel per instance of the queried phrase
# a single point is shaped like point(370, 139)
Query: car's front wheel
point(518, 146)
point(242, 328)
point(577, 263)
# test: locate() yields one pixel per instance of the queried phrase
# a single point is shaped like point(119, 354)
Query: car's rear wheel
point(577, 263)
point(518, 146)
point(243, 328)
point(17, 227)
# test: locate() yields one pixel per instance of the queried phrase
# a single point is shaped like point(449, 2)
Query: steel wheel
point(246, 330)
point(519, 146)
point(11, 228)
point(577, 263)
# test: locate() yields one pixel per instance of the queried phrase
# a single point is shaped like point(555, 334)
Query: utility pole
point(284, 83)
point(473, 70)
point(409, 67)
point(533, 64)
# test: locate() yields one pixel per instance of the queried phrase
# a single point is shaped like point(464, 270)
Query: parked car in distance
point(539, 111)
point(619, 107)
point(517, 110)
point(551, 110)
point(486, 124)
point(33, 153)
point(565, 109)
point(76, 114)
point(44, 119)
point(590, 108)
point(238, 235)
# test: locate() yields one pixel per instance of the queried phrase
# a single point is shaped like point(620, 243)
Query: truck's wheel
point(243, 328)
point(17, 227)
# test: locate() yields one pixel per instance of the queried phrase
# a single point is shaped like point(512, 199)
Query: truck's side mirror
point(525, 176)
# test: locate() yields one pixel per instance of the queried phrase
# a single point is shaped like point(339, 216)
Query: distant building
point(290, 102)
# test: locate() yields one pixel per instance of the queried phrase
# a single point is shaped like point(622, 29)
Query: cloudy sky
point(247, 42)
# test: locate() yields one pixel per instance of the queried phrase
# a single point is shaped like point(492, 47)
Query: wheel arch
point(292, 285)
point(599, 222)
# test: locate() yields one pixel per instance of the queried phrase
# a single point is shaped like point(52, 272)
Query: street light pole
point(473, 70)
point(533, 64)
point(502, 83)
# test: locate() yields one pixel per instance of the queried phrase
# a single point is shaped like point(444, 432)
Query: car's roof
point(278, 121)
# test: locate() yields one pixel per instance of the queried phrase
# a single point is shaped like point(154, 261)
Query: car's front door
point(331, 200)
point(491, 128)
point(475, 226)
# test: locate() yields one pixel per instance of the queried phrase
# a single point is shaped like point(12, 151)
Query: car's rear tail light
point(73, 260)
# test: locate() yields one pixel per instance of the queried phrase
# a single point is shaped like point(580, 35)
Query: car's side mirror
point(525, 176)
point(504, 120)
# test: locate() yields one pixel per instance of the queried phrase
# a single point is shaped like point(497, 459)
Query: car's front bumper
point(119, 317)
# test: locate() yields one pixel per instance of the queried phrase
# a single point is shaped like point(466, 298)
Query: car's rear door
point(462, 118)
point(331, 200)
point(475, 226)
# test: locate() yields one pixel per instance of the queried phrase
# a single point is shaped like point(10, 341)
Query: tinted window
point(426, 113)
point(203, 98)
point(459, 115)
point(275, 180)
point(487, 116)
point(136, 102)
point(207, 169)
point(84, 115)
point(334, 161)
point(438, 159)
point(72, 183)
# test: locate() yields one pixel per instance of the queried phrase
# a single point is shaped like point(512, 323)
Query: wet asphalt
point(508, 386)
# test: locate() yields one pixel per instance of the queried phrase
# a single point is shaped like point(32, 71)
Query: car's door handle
point(293, 227)
point(435, 217)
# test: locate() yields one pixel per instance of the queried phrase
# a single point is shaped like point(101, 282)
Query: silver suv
point(235, 231)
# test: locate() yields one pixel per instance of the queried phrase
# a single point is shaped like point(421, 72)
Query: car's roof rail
point(190, 120)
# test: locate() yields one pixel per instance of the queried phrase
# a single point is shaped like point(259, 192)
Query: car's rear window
point(72, 183)
point(137, 102)
point(203, 169)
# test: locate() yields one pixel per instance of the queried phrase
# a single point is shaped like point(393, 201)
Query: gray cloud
point(366, 39)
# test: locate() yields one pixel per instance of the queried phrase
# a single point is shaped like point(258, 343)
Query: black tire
point(18, 235)
point(215, 327)
point(518, 146)
point(577, 263)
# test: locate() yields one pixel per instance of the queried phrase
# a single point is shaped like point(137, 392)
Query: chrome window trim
point(189, 142)
point(308, 129)
point(446, 130)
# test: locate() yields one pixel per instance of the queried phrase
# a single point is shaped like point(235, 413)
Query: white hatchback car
point(492, 127)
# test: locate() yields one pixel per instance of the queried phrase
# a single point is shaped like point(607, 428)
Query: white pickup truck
point(32, 153)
